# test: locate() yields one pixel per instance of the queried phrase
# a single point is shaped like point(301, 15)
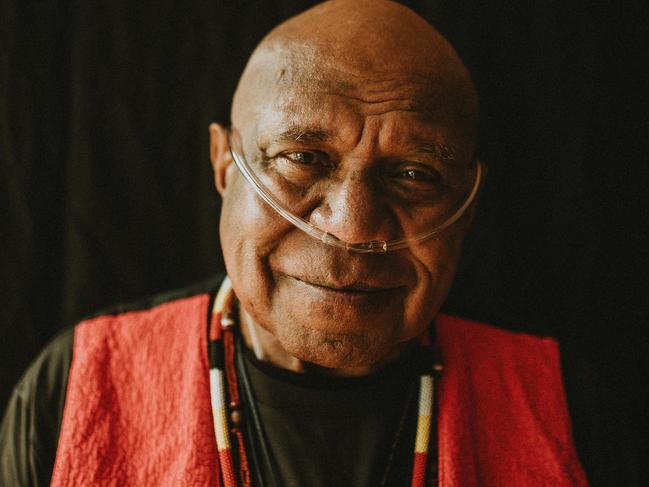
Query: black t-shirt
point(338, 431)
point(319, 431)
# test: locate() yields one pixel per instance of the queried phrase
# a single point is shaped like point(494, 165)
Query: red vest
point(138, 411)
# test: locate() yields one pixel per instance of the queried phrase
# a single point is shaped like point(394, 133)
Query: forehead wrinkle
point(414, 88)
point(369, 95)
point(298, 106)
point(403, 103)
point(328, 71)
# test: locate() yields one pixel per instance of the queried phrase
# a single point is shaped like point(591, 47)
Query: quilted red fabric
point(503, 417)
point(138, 411)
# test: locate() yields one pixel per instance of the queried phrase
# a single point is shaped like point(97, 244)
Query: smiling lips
point(357, 288)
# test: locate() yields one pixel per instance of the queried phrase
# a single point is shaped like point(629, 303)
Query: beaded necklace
point(226, 399)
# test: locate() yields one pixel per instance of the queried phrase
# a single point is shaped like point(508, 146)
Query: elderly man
point(348, 181)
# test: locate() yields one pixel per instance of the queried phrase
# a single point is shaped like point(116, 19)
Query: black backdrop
point(107, 193)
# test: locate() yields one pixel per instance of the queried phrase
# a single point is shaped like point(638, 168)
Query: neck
point(267, 348)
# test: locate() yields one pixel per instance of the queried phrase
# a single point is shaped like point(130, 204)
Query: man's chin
point(338, 351)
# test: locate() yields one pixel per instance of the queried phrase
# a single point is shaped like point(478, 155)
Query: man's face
point(325, 305)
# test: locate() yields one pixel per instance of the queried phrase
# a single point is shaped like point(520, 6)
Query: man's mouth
point(354, 288)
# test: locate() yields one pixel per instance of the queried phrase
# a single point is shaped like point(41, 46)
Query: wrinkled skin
point(362, 82)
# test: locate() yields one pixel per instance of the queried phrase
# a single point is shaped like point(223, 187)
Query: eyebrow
point(445, 152)
point(302, 134)
point(297, 133)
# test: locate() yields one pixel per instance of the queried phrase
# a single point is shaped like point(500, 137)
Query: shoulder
point(30, 429)
point(600, 425)
point(493, 344)
point(117, 335)
point(151, 302)
point(603, 428)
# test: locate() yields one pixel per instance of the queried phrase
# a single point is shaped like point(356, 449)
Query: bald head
point(361, 117)
point(361, 49)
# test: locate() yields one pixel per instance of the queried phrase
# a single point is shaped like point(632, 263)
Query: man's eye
point(419, 174)
point(309, 161)
point(301, 167)
point(306, 158)
point(416, 175)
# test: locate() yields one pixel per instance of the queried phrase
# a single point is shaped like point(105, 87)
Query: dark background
point(106, 192)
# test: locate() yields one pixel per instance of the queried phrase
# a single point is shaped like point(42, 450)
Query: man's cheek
point(435, 265)
point(250, 214)
point(258, 222)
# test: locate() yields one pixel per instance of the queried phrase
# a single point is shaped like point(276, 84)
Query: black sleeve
point(602, 429)
point(30, 428)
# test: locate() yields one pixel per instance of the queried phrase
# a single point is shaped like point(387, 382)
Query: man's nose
point(354, 210)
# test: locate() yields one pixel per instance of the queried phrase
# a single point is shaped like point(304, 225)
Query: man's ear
point(220, 156)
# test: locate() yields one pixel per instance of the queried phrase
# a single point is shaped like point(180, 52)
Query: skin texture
point(360, 82)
